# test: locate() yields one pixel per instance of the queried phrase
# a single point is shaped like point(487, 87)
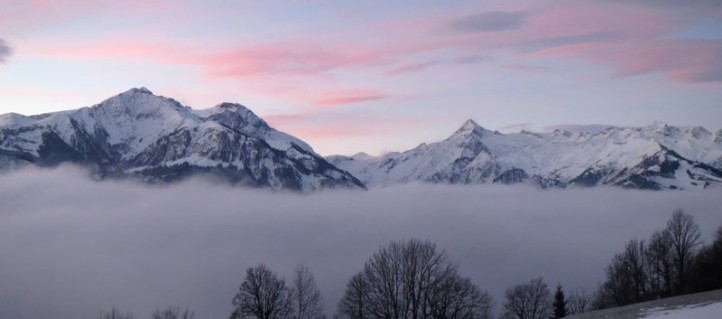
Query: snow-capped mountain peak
point(138, 90)
point(658, 156)
point(235, 116)
point(470, 127)
point(240, 118)
point(139, 134)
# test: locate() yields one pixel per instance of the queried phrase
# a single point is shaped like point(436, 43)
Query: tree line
point(672, 262)
point(413, 279)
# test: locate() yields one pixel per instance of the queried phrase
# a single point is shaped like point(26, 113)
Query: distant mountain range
point(654, 157)
point(139, 135)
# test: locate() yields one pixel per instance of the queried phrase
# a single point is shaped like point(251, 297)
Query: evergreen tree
point(560, 304)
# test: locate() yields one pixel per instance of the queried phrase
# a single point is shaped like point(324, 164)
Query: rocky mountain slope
point(137, 134)
point(653, 157)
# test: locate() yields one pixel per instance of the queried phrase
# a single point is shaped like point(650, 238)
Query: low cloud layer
point(5, 51)
point(71, 247)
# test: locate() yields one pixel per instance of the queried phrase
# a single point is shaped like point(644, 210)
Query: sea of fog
point(71, 247)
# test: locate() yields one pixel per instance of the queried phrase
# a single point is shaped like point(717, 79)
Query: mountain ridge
point(137, 134)
point(657, 156)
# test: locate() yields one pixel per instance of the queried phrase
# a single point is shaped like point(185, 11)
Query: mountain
point(137, 134)
point(654, 157)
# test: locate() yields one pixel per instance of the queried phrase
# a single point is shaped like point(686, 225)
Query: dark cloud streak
point(552, 42)
point(71, 248)
point(5, 51)
point(672, 4)
point(488, 22)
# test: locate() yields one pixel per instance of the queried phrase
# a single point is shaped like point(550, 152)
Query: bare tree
point(627, 280)
point(661, 265)
point(115, 314)
point(172, 313)
point(457, 297)
point(579, 302)
point(353, 305)
point(412, 280)
point(532, 300)
point(708, 262)
point(685, 238)
point(262, 295)
point(306, 296)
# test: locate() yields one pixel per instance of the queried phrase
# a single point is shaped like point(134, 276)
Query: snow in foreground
point(698, 311)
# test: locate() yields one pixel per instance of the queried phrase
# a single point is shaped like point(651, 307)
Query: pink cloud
point(344, 97)
point(590, 31)
point(288, 59)
point(630, 40)
point(412, 67)
point(528, 68)
point(37, 13)
point(316, 126)
point(682, 60)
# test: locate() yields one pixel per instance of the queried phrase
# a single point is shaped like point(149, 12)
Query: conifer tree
point(560, 304)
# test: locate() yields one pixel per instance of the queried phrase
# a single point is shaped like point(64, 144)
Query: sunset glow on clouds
point(375, 76)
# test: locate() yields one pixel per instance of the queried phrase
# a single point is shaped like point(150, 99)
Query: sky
point(72, 248)
point(375, 76)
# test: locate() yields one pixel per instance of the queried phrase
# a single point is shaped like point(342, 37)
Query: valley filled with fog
point(72, 247)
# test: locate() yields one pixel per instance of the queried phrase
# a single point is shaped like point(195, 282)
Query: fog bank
point(71, 247)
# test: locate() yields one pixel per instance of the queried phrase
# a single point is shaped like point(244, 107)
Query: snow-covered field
point(705, 305)
point(703, 311)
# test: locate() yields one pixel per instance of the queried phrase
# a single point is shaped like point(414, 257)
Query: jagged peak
point(361, 156)
point(140, 100)
point(658, 125)
point(240, 109)
point(140, 90)
point(470, 126)
point(233, 107)
point(699, 132)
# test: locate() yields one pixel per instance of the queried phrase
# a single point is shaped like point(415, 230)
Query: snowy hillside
point(138, 134)
point(653, 157)
point(704, 305)
point(710, 311)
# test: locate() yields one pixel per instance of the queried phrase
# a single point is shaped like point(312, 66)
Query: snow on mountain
point(653, 157)
point(141, 135)
point(138, 134)
point(240, 118)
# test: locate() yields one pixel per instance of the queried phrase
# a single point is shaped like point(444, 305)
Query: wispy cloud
point(673, 4)
point(528, 68)
point(411, 67)
point(514, 127)
point(682, 60)
point(343, 97)
point(488, 22)
point(5, 51)
point(349, 99)
point(470, 59)
point(421, 66)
